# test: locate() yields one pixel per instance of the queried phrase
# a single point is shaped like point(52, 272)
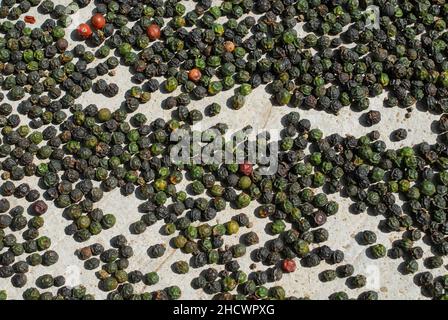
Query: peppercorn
point(108, 284)
point(156, 251)
point(327, 275)
point(345, 271)
point(368, 237)
point(39, 207)
point(357, 281)
point(399, 134)
point(92, 263)
point(378, 251)
point(4, 205)
point(434, 262)
point(181, 267)
point(19, 280)
point(368, 295)
point(410, 266)
point(213, 109)
point(372, 117)
point(45, 281)
point(31, 294)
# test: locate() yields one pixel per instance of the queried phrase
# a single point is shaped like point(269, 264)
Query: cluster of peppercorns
point(79, 152)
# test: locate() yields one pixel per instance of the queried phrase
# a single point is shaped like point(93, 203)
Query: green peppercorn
point(151, 278)
point(228, 284)
point(174, 292)
point(340, 295)
point(43, 243)
point(238, 250)
point(171, 84)
point(169, 228)
point(368, 237)
point(108, 221)
point(410, 266)
point(232, 227)
point(357, 281)
point(179, 241)
point(243, 200)
point(378, 251)
point(278, 226)
point(109, 284)
point(434, 262)
point(327, 275)
point(261, 292)
point(181, 267)
point(277, 293)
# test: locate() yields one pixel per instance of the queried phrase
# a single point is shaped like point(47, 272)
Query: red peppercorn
point(153, 32)
point(39, 207)
point(84, 30)
point(194, 75)
point(288, 265)
point(246, 168)
point(98, 21)
point(30, 19)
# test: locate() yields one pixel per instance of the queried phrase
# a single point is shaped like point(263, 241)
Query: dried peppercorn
point(228, 283)
point(378, 251)
point(368, 295)
point(251, 238)
point(345, 271)
point(96, 249)
point(434, 262)
point(232, 227)
point(311, 260)
point(92, 263)
point(109, 284)
point(31, 294)
point(108, 221)
point(49, 258)
point(327, 275)
point(174, 292)
point(246, 168)
point(45, 281)
point(181, 267)
point(227, 61)
point(357, 281)
point(213, 109)
point(19, 280)
point(238, 250)
point(4, 205)
point(34, 259)
point(410, 266)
